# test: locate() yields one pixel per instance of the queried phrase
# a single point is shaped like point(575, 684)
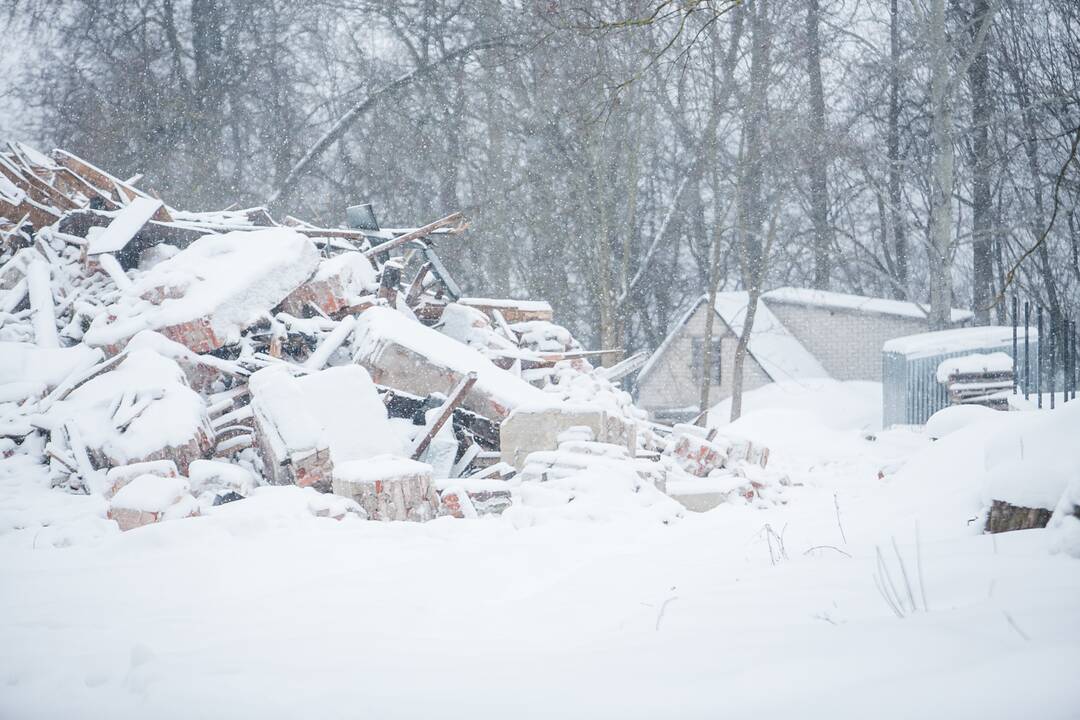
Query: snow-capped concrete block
point(535, 428)
point(305, 426)
point(117, 477)
point(389, 488)
point(151, 498)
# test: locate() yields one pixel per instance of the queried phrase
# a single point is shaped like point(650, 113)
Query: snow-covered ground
point(260, 609)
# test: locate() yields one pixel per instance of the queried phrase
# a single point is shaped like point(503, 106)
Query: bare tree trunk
point(738, 372)
point(751, 206)
point(981, 204)
point(940, 251)
point(899, 232)
point(710, 323)
point(818, 171)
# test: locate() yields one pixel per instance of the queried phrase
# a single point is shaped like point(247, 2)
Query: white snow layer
point(259, 608)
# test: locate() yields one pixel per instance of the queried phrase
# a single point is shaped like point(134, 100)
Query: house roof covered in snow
point(772, 345)
point(881, 306)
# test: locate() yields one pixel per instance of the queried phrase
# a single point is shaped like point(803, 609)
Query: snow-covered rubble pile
point(719, 466)
point(169, 363)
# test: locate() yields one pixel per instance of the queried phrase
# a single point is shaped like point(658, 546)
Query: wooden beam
point(125, 226)
point(417, 285)
point(445, 412)
point(414, 235)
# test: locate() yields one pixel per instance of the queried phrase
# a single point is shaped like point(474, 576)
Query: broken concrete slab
point(305, 427)
point(205, 295)
point(416, 359)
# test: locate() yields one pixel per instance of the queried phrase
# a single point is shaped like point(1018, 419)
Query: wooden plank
point(415, 234)
point(113, 186)
point(110, 265)
point(71, 184)
point(417, 285)
point(626, 367)
point(40, 215)
point(514, 311)
point(41, 302)
point(35, 187)
point(445, 412)
point(125, 226)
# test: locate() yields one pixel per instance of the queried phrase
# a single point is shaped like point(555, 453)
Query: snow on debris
point(1032, 457)
point(178, 366)
point(996, 362)
point(229, 279)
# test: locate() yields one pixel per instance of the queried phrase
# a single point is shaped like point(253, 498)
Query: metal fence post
point(1053, 361)
point(1039, 359)
point(1015, 320)
point(1027, 350)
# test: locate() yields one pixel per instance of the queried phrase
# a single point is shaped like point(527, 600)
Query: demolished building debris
point(171, 361)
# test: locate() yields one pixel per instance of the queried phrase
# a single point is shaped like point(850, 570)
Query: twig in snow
point(885, 578)
point(918, 566)
point(1015, 626)
point(781, 551)
point(888, 600)
point(836, 504)
point(830, 547)
point(660, 615)
point(903, 574)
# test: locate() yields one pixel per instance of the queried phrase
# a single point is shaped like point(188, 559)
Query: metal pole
point(1015, 319)
point(1066, 381)
point(1064, 360)
point(1072, 335)
point(1027, 350)
point(1039, 356)
point(1053, 360)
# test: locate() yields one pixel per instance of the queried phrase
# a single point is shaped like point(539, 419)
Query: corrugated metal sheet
point(911, 392)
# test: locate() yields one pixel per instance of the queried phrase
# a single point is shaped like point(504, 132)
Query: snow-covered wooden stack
point(978, 379)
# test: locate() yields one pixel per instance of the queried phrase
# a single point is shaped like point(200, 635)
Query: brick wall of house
point(847, 342)
point(671, 383)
